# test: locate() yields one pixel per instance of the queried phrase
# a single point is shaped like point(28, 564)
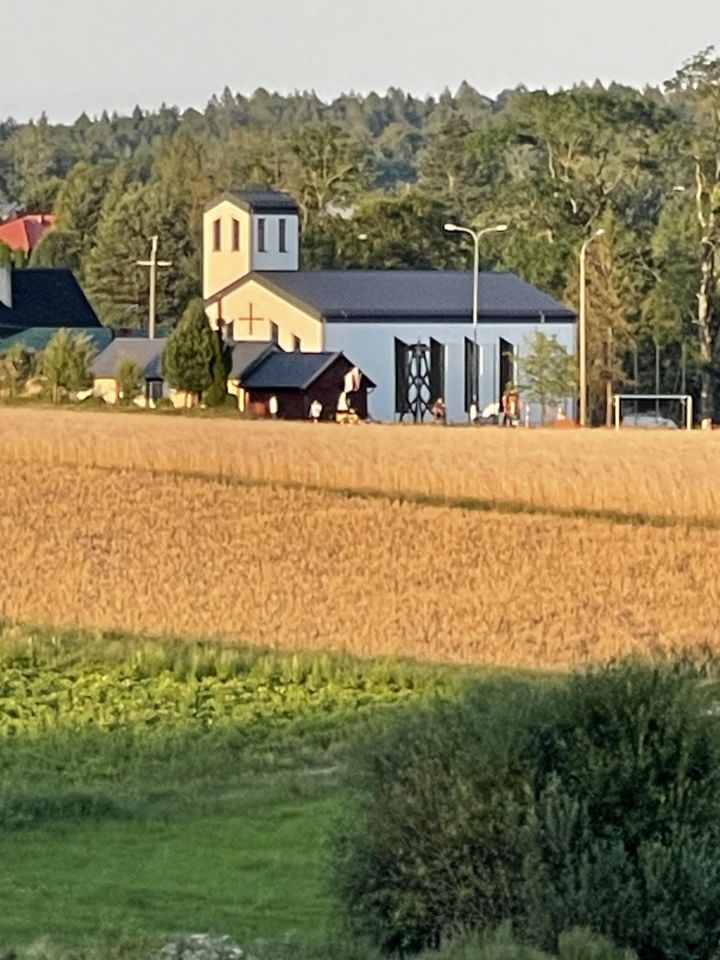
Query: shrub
point(217, 394)
point(592, 803)
point(501, 944)
point(66, 362)
point(129, 378)
point(624, 832)
point(429, 847)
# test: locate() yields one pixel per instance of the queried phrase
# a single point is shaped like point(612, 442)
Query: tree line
point(643, 165)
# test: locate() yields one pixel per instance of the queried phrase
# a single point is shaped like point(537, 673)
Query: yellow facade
point(223, 266)
point(253, 309)
point(230, 253)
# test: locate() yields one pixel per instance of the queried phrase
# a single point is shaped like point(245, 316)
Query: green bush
point(430, 845)
point(592, 803)
point(624, 831)
point(501, 944)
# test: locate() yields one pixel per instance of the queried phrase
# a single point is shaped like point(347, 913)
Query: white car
point(649, 421)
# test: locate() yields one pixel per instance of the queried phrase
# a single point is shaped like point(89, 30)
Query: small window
point(236, 234)
point(217, 235)
point(297, 344)
point(282, 241)
point(274, 332)
point(261, 235)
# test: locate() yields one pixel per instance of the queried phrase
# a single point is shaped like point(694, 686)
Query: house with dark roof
point(260, 370)
point(299, 380)
point(410, 331)
point(42, 297)
point(146, 354)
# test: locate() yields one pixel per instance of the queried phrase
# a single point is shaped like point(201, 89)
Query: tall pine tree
point(187, 361)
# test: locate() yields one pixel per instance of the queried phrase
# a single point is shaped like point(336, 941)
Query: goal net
point(670, 411)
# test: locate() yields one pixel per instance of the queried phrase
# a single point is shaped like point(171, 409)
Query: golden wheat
point(306, 569)
point(661, 473)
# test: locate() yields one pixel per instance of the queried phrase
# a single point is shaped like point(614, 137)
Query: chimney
point(6, 285)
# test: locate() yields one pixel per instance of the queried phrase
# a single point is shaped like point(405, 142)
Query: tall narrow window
point(274, 332)
point(261, 234)
point(282, 241)
point(472, 373)
point(297, 344)
point(217, 235)
point(236, 234)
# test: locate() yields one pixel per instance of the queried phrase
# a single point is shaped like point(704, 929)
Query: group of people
point(344, 411)
point(507, 411)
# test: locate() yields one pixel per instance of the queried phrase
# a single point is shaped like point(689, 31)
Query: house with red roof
point(23, 231)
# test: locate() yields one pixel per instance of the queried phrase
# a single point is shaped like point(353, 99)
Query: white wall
point(6, 285)
point(371, 347)
point(272, 258)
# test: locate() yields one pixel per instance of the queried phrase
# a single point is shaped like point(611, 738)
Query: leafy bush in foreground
point(593, 803)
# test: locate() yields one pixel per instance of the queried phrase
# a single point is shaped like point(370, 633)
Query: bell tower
point(245, 231)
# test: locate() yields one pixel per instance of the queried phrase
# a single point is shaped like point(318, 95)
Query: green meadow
point(154, 787)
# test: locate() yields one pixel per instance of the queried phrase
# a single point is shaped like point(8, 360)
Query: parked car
point(649, 421)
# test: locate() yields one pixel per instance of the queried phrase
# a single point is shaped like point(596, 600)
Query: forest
point(376, 177)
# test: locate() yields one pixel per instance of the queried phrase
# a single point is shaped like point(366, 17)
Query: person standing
point(315, 411)
point(438, 411)
point(510, 407)
point(273, 407)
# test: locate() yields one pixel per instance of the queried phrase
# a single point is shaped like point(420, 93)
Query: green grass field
point(149, 788)
point(255, 871)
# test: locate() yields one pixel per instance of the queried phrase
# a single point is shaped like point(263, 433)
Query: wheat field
point(135, 523)
point(661, 473)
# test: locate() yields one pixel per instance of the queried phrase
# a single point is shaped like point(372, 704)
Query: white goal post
point(684, 399)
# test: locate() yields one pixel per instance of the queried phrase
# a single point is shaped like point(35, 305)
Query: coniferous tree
point(58, 248)
point(187, 360)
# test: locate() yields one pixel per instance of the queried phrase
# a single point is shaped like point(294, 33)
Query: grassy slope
point(183, 825)
point(253, 872)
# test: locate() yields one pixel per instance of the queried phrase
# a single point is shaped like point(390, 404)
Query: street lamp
point(582, 346)
point(475, 234)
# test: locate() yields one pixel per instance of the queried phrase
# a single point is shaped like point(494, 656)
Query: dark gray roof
point(246, 354)
point(147, 354)
point(46, 297)
point(289, 371)
point(258, 201)
point(413, 295)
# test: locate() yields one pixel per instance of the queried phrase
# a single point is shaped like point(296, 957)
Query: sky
point(66, 57)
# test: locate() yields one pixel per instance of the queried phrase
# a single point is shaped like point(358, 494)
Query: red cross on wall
point(249, 319)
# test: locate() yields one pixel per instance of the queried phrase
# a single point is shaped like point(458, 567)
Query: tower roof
point(257, 201)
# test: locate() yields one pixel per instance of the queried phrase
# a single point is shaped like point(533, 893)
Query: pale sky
point(69, 56)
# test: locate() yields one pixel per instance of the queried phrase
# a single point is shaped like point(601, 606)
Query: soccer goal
point(643, 410)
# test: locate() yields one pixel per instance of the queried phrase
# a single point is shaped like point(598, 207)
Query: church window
point(236, 234)
point(261, 235)
point(217, 226)
point(274, 332)
point(297, 344)
point(283, 238)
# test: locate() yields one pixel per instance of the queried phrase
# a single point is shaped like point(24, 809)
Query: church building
point(410, 331)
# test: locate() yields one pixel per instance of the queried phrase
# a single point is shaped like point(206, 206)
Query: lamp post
point(582, 346)
point(475, 234)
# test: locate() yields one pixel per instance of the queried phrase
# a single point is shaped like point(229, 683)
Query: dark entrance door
point(507, 365)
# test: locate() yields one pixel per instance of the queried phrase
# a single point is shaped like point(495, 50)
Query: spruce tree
point(188, 354)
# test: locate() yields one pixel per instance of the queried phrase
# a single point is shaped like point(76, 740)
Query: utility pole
point(154, 264)
point(582, 328)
